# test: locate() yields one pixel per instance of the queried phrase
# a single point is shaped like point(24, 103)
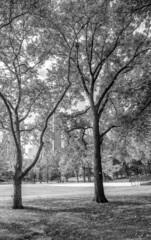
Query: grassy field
point(71, 214)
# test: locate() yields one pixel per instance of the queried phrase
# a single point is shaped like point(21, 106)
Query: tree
point(126, 155)
point(77, 127)
point(87, 164)
point(108, 41)
point(22, 94)
point(7, 155)
point(72, 159)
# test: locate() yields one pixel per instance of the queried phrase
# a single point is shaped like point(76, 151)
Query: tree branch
point(100, 64)
point(135, 55)
point(47, 120)
point(28, 130)
point(103, 106)
point(142, 7)
point(11, 20)
point(83, 140)
point(10, 117)
point(106, 131)
point(78, 128)
point(29, 109)
point(80, 113)
point(3, 127)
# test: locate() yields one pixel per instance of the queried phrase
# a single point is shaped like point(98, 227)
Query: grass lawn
point(73, 215)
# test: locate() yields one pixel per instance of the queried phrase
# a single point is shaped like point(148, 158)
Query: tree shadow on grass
point(60, 218)
point(131, 200)
point(74, 206)
point(57, 210)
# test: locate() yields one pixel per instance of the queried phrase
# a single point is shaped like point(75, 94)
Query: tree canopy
point(99, 52)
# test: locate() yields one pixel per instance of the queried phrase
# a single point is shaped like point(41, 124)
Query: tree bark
point(84, 179)
point(17, 197)
point(89, 173)
point(77, 177)
point(99, 195)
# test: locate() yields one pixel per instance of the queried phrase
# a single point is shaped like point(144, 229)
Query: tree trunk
point(47, 178)
point(84, 179)
point(99, 195)
point(89, 173)
point(77, 177)
point(47, 175)
point(17, 197)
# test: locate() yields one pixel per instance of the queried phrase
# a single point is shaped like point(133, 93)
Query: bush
point(2, 180)
point(146, 183)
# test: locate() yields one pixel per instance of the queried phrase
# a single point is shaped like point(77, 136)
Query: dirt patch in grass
point(124, 217)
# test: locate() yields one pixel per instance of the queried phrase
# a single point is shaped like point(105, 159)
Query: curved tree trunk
point(99, 195)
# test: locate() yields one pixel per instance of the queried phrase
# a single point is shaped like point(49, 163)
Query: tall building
point(56, 139)
point(57, 135)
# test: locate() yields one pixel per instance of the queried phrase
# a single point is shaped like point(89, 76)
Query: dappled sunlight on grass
point(78, 217)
